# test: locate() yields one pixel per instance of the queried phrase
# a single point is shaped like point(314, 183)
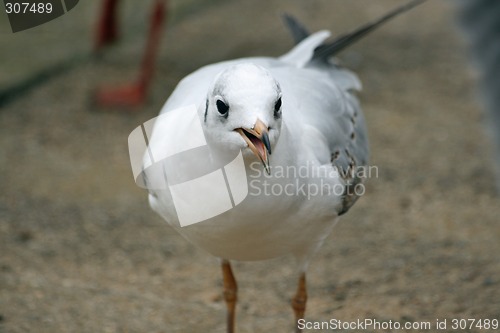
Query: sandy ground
point(80, 251)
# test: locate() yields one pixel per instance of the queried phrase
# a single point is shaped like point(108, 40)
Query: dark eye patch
point(206, 110)
point(277, 108)
point(222, 107)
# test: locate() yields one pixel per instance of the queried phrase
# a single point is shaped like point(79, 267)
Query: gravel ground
point(82, 252)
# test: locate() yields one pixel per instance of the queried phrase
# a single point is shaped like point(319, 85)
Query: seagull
point(285, 137)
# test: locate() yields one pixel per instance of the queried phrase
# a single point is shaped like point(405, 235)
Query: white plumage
point(297, 127)
point(320, 116)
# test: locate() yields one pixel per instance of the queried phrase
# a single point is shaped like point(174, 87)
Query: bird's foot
point(128, 96)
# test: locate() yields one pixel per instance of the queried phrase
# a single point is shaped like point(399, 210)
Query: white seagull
point(295, 127)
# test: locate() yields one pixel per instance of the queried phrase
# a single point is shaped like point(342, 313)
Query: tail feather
point(327, 50)
point(299, 32)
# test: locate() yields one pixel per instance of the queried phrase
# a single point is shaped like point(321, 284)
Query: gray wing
point(350, 153)
point(338, 115)
point(324, 98)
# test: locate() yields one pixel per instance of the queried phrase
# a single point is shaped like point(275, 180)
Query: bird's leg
point(230, 294)
point(107, 30)
point(153, 43)
point(134, 94)
point(299, 301)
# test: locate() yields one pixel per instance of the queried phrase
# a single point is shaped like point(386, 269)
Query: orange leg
point(230, 294)
point(134, 94)
point(107, 31)
point(299, 301)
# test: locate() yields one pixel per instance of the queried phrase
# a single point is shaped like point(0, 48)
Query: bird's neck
point(285, 152)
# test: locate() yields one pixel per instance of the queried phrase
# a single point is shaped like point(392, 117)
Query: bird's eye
point(222, 107)
point(277, 108)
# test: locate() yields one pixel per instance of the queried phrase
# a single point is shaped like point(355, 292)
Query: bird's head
point(243, 111)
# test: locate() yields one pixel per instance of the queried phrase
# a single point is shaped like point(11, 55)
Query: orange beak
point(257, 139)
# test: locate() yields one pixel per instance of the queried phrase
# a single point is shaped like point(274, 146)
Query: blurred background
point(80, 251)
